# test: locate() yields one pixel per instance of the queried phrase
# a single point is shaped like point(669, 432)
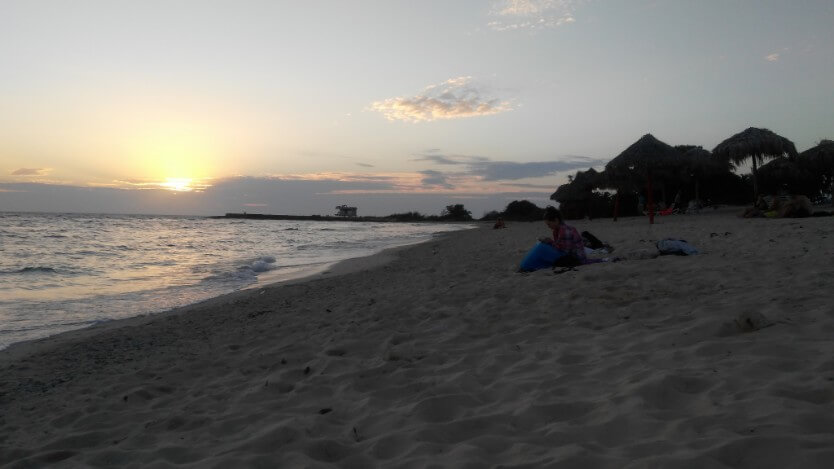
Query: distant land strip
point(263, 216)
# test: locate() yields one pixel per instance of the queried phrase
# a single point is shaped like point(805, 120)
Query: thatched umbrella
point(821, 158)
point(700, 164)
point(641, 159)
point(784, 172)
point(756, 144)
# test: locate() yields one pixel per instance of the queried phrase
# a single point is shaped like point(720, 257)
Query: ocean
point(60, 272)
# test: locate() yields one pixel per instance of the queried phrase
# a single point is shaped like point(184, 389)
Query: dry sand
point(441, 355)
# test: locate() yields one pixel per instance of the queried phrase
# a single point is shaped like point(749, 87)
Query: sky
point(287, 107)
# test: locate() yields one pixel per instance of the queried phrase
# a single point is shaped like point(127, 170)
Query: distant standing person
point(499, 223)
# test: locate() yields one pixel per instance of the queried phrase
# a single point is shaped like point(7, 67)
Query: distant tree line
point(455, 212)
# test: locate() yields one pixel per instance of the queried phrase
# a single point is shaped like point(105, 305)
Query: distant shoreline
point(388, 219)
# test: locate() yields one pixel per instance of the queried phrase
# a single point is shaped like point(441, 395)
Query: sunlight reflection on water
point(64, 271)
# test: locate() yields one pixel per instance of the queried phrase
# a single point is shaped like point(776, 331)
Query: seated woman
point(565, 248)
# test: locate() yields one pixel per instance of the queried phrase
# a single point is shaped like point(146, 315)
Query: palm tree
point(785, 173)
point(578, 192)
point(756, 145)
point(821, 158)
point(578, 188)
point(699, 164)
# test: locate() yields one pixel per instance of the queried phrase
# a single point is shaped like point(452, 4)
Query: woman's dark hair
point(551, 213)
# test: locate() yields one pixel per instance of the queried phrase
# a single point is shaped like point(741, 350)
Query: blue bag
point(542, 256)
point(677, 247)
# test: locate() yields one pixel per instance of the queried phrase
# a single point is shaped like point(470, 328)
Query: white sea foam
point(263, 264)
point(63, 270)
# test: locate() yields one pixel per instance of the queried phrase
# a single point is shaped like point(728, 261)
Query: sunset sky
point(206, 107)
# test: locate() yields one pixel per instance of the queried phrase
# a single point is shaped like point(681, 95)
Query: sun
point(177, 184)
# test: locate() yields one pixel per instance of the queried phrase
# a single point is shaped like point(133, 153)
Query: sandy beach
point(442, 355)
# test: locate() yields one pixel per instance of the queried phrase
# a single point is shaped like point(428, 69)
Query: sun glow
point(177, 184)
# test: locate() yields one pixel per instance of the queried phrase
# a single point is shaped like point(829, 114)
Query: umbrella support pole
point(650, 198)
point(616, 205)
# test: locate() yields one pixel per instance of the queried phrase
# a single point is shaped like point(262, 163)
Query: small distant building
point(345, 211)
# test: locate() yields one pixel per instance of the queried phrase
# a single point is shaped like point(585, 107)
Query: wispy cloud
point(532, 14)
point(433, 178)
point(778, 54)
point(435, 156)
point(548, 187)
point(438, 159)
point(487, 170)
point(365, 165)
point(169, 184)
point(30, 172)
point(455, 98)
point(333, 182)
point(509, 170)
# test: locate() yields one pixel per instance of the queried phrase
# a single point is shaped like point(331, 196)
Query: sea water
point(67, 271)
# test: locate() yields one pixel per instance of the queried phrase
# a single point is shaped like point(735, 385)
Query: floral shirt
point(568, 240)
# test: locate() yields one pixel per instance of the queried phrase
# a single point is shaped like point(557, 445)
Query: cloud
point(436, 157)
point(365, 165)
point(30, 172)
point(486, 170)
point(508, 170)
point(548, 187)
point(532, 14)
point(455, 98)
point(479, 168)
point(169, 184)
point(778, 54)
point(435, 179)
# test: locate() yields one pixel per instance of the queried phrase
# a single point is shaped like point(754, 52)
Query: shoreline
point(351, 264)
point(366, 219)
point(440, 353)
point(300, 275)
